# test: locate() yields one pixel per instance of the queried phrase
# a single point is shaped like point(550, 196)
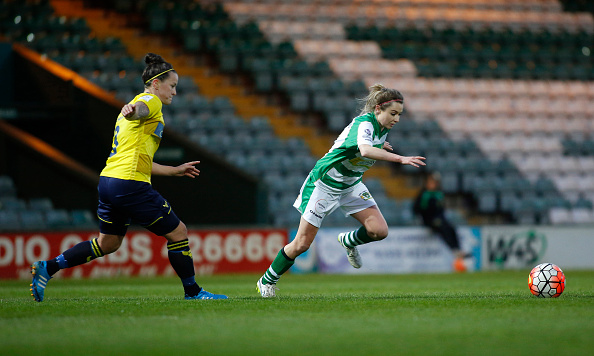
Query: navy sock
point(78, 254)
point(181, 260)
point(192, 289)
point(52, 266)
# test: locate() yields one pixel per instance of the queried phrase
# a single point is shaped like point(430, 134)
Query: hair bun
point(152, 58)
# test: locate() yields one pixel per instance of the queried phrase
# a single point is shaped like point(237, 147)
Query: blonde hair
point(379, 95)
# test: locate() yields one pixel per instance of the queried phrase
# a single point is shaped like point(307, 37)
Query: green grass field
point(422, 314)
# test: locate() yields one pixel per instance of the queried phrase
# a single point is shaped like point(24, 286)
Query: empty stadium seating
point(511, 111)
point(497, 93)
point(17, 214)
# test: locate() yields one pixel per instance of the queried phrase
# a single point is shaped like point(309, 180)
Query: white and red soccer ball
point(546, 281)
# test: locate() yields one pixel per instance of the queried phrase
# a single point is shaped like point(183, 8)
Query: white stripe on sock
point(352, 241)
point(273, 273)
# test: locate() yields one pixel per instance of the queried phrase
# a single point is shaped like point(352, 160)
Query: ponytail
point(379, 95)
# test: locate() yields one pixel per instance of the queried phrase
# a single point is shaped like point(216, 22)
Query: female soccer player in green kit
point(125, 191)
point(335, 181)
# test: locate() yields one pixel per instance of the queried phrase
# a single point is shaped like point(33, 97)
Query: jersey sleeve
point(153, 103)
point(365, 134)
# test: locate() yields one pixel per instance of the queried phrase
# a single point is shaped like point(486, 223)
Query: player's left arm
point(135, 111)
point(187, 169)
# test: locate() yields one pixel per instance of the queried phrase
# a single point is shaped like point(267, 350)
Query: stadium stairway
point(106, 23)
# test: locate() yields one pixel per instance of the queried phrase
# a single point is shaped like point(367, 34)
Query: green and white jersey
point(343, 167)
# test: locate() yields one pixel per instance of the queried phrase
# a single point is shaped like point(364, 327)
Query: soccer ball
point(546, 281)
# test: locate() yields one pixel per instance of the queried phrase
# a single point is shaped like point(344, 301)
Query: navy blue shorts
point(122, 202)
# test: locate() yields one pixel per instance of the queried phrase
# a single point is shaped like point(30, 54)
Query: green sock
point(356, 237)
point(280, 265)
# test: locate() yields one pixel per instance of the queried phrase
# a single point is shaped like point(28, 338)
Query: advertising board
point(405, 250)
point(145, 254)
point(517, 247)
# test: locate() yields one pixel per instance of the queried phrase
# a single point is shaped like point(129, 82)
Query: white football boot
point(266, 290)
point(352, 252)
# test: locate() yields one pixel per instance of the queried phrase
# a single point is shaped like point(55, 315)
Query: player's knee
point(179, 234)
point(301, 245)
point(182, 230)
point(378, 233)
point(109, 243)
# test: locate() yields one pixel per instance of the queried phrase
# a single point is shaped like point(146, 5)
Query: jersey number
point(114, 148)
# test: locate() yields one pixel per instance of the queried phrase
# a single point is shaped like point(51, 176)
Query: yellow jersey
point(135, 142)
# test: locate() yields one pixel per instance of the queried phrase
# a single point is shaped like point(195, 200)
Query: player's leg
point(180, 257)
point(374, 228)
point(112, 226)
point(360, 205)
point(149, 209)
point(304, 237)
point(449, 235)
point(285, 258)
point(313, 204)
point(446, 232)
point(78, 254)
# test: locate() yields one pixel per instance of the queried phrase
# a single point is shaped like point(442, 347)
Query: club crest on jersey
point(365, 195)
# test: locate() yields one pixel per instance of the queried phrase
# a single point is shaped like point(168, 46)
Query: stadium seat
point(40, 204)
point(9, 221)
point(450, 182)
point(57, 219)
point(7, 187)
point(81, 218)
point(12, 203)
point(487, 202)
point(559, 216)
point(582, 216)
point(32, 220)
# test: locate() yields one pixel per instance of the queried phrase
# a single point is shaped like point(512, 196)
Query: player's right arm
point(381, 154)
point(135, 111)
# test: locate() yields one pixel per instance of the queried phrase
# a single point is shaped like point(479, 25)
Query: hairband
point(158, 75)
point(389, 101)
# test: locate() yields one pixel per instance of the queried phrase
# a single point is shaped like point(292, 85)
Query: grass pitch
point(420, 314)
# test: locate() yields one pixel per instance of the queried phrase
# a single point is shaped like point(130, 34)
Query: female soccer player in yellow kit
point(125, 191)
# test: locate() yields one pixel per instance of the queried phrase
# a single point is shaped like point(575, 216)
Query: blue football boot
point(40, 279)
point(206, 295)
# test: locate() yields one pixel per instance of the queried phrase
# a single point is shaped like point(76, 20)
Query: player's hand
point(414, 161)
point(187, 169)
point(387, 146)
point(128, 110)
